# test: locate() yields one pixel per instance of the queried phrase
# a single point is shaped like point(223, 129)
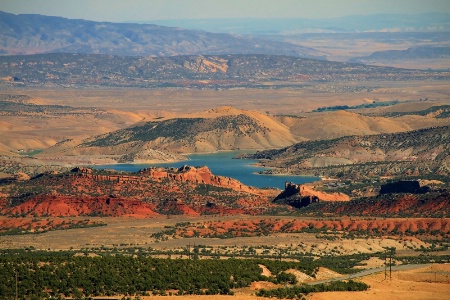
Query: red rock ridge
point(256, 226)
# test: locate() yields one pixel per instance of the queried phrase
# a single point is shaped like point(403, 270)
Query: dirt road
point(372, 271)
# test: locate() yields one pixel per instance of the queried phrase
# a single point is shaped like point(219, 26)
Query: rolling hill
point(330, 138)
point(224, 128)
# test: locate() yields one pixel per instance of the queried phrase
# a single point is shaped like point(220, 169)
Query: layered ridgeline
point(198, 71)
point(422, 52)
point(422, 152)
point(32, 34)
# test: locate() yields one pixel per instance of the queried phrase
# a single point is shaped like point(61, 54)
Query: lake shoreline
point(223, 163)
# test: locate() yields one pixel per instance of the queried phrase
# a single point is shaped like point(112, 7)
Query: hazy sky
point(146, 10)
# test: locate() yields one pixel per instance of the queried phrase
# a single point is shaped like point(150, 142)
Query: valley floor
point(146, 233)
point(431, 281)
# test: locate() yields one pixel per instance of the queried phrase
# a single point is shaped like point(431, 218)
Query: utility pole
point(388, 251)
point(189, 251)
point(17, 285)
point(390, 266)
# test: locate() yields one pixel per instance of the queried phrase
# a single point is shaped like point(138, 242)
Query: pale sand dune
point(277, 128)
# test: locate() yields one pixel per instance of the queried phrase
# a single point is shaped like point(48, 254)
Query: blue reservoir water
point(223, 164)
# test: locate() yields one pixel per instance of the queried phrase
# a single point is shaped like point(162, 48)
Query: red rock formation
point(300, 196)
point(257, 227)
point(306, 190)
point(83, 192)
point(68, 206)
point(200, 175)
point(428, 205)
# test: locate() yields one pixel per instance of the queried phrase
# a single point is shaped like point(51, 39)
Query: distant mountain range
point(32, 34)
point(426, 22)
point(422, 52)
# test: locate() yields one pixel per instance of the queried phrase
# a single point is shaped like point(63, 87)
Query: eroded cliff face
point(69, 206)
point(149, 192)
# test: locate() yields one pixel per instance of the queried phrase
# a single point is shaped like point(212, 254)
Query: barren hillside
point(224, 128)
point(417, 152)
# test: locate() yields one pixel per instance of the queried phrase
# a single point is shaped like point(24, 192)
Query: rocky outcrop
point(302, 195)
point(404, 186)
point(198, 175)
point(176, 207)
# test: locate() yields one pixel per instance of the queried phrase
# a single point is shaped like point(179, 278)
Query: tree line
point(40, 274)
